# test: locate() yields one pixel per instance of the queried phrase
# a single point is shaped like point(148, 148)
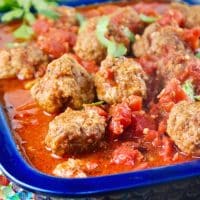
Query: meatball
point(23, 62)
point(65, 83)
point(123, 18)
point(70, 169)
point(67, 15)
point(119, 78)
point(76, 131)
point(191, 14)
point(183, 126)
point(173, 66)
point(157, 40)
point(89, 48)
point(74, 168)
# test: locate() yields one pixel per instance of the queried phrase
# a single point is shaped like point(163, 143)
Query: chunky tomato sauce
point(29, 123)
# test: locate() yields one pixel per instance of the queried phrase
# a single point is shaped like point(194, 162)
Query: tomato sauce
point(29, 125)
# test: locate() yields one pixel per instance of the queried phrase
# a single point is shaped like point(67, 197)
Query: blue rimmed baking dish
point(177, 181)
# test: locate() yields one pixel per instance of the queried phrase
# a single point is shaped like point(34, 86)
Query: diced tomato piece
point(143, 121)
point(148, 63)
point(122, 114)
point(162, 126)
point(151, 135)
point(172, 16)
point(173, 93)
point(191, 36)
point(41, 26)
point(90, 66)
point(167, 148)
point(134, 102)
point(56, 42)
point(110, 74)
point(121, 118)
point(126, 154)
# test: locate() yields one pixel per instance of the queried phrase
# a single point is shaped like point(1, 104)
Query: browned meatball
point(119, 78)
point(190, 13)
point(74, 168)
point(159, 40)
point(67, 15)
point(173, 65)
point(76, 131)
point(183, 126)
point(23, 62)
point(65, 83)
point(89, 48)
point(70, 169)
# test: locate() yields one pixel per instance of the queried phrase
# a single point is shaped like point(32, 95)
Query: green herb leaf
point(114, 49)
point(197, 98)
point(23, 32)
point(98, 103)
point(101, 30)
point(15, 44)
point(29, 17)
point(50, 14)
point(148, 19)
point(189, 89)
point(6, 5)
point(26, 4)
point(80, 18)
point(40, 5)
point(197, 55)
point(129, 34)
point(11, 15)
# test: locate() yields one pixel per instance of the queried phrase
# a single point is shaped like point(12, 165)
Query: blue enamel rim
point(20, 172)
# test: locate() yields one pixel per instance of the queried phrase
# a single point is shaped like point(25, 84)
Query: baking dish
point(16, 169)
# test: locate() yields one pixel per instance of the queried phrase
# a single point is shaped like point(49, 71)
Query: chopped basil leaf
point(197, 98)
point(23, 32)
point(49, 13)
point(113, 48)
point(26, 4)
point(29, 17)
point(101, 30)
point(189, 90)
point(98, 103)
point(116, 50)
point(15, 44)
point(11, 15)
point(43, 7)
point(6, 5)
point(148, 19)
point(197, 55)
point(129, 34)
point(40, 5)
